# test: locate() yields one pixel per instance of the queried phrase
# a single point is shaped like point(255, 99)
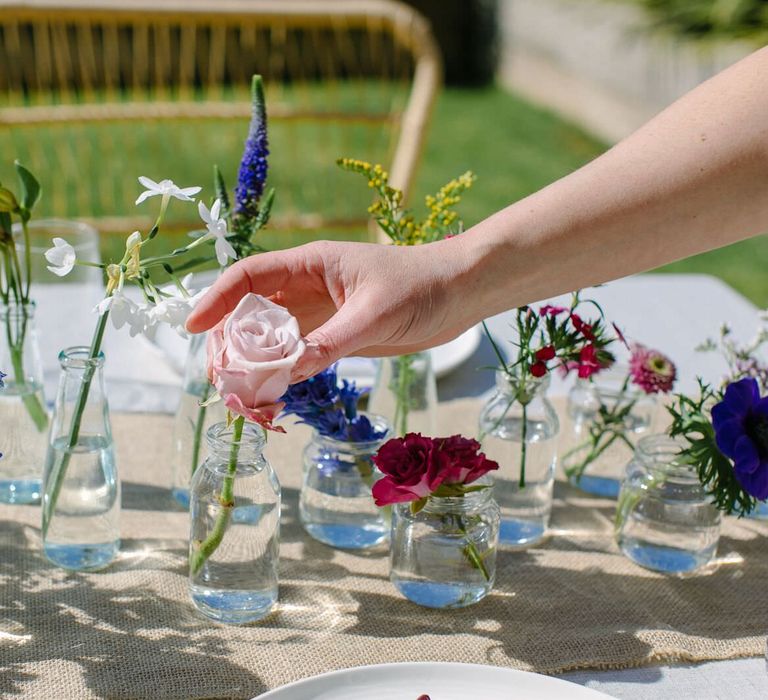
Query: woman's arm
point(692, 179)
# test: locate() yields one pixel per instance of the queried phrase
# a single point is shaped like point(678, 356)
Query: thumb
point(349, 329)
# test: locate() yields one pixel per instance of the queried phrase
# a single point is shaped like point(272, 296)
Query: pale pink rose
point(251, 353)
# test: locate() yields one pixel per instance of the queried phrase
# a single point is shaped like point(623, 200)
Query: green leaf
point(417, 506)
point(220, 188)
point(30, 187)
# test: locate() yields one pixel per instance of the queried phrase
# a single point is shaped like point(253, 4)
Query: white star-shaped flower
point(166, 188)
point(217, 229)
point(123, 311)
point(174, 310)
point(62, 257)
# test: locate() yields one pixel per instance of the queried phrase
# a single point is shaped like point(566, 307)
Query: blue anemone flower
point(252, 175)
point(741, 432)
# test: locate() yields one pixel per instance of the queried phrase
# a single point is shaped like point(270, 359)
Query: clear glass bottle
point(519, 425)
point(405, 393)
point(81, 490)
point(335, 503)
point(444, 556)
point(235, 527)
point(598, 467)
point(192, 420)
point(23, 415)
point(664, 518)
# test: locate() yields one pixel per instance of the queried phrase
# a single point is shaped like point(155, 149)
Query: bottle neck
point(223, 442)
point(17, 312)
point(660, 455)
point(467, 504)
point(523, 389)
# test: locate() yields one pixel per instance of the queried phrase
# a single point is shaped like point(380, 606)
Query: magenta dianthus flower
point(651, 370)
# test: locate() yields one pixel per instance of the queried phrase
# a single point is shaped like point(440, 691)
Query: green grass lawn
point(513, 147)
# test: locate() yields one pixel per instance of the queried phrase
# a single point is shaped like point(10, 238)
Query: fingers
point(347, 330)
point(262, 274)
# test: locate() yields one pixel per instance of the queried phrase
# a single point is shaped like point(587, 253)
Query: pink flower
point(651, 370)
point(549, 310)
point(588, 363)
point(546, 353)
point(467, 462)
point(581, 327)
point(250, 357)
point(538, 369)
point(415, 466)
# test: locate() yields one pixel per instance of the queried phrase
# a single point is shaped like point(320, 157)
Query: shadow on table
point(131, 642)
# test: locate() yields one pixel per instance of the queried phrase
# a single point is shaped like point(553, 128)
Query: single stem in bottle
point(402, 391)
point(524, 445)
point(199, 424)
point(226, 503)
point(61, 464)
point(470, 551)
point(27, 258)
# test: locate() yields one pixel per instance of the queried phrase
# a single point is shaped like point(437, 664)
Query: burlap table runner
point(131, 632)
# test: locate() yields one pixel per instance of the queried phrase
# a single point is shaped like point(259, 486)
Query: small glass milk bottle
point(598, 467)
point(192, 420)
point(335, 504)
point(235, 527)
point(81, 490)
point(518, 429)
point(405, 393)
point(444, 556)
point(23, 416)
point(664, 518)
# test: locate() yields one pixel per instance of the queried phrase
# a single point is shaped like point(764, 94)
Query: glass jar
point(23, 415)
point(81, 490)
point(405, 393)
point(605, 418)
point(518, 429)
point(335, 503)
point(664, 518)
point(192, 420)
point(235, 527)
point(444, 556)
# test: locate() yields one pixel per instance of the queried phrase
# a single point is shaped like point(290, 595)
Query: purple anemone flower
point(741, 432)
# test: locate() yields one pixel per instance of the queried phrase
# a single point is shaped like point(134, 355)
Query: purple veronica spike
point(741, 432)
point(252, 175)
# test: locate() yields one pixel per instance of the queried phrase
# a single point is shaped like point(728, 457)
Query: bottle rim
point(79, 357)
point(219, 438)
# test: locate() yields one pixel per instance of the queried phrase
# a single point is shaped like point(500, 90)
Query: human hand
point(353, 298)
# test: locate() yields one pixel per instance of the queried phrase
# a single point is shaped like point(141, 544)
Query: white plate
point(440, 681)
point(445, 359)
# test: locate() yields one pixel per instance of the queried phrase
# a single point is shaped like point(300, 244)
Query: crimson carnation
point(415, 466)
point(651, 370)
point(538, 369)
point(546, 353)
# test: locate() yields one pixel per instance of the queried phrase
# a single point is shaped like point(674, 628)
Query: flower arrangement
point(16, 281)
point(554, 337)
point(167, 304)
point(330, 407)
point(402, 227)
point(250, 357)
point(418, 468)
point(650, 372)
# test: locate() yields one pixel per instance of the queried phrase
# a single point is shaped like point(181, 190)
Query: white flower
point(133, 240)
point(217, 229)
point(166, 188)
point(174, 310)
point(62, 257)
point(123, 310)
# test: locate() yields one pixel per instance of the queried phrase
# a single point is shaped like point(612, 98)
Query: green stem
point(226, 502)
point(15, 341)
point(524, 445)
point(471, 553)
point(59, 470)
point(27, 258)
point(199, 427)
point(402, 391)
